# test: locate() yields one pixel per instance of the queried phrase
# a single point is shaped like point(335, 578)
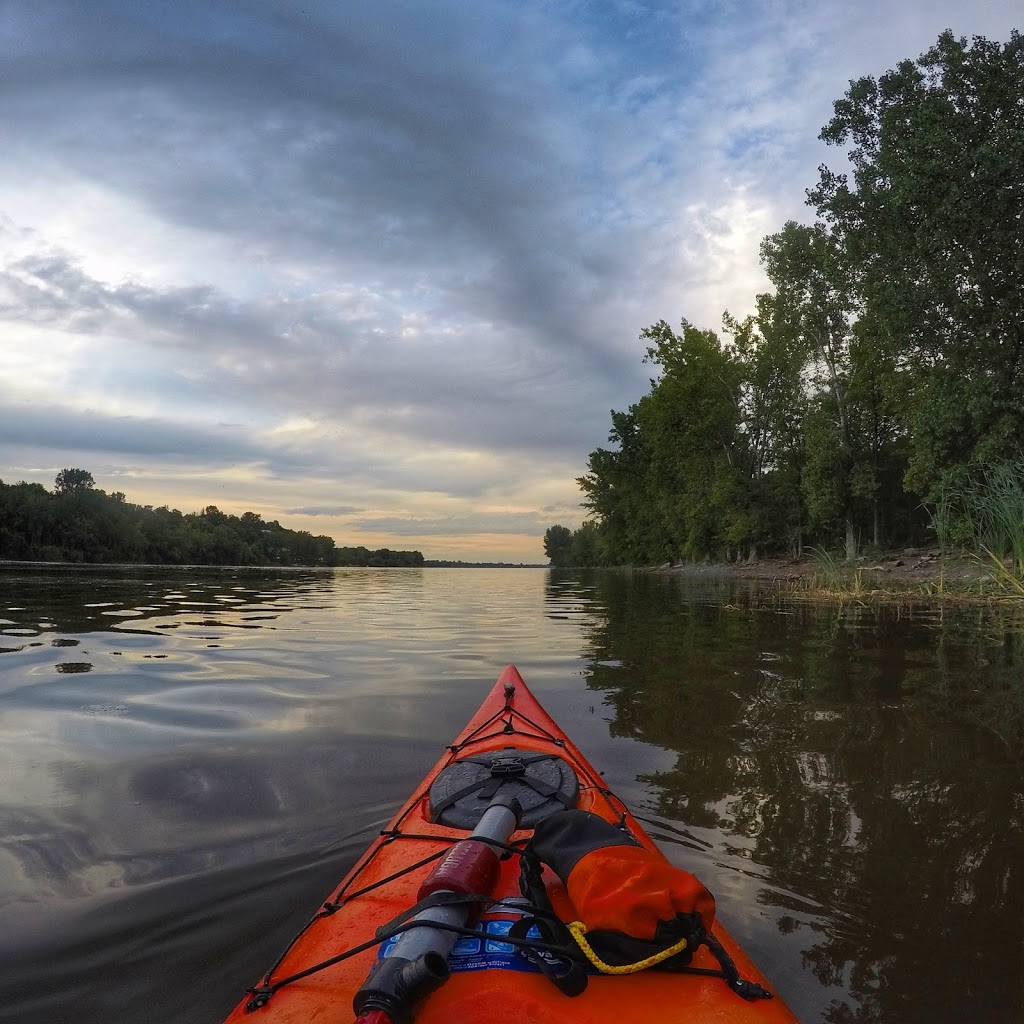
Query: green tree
point(69, 480)
point(617, 491)
point(773, 404)
point(675, 485)
point(813, 309)
point(558, 545)
point(586, 546)
point(692, 418)
point(931, 222)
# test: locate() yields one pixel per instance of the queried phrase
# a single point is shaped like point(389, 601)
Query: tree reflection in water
point(863, 759)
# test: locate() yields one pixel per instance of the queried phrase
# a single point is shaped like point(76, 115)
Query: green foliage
point(580, 548)
point(1000, 514)
point(672, 487)
point(885, 366)
point(586, 546)
point(982, 507)
point(931, 223)
point(80, 523)
point(558, 545)
point(69, 480)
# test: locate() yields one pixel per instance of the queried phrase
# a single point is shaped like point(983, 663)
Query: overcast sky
point(378, 269)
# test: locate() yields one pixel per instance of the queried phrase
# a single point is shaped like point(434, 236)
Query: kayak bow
point(431, 923)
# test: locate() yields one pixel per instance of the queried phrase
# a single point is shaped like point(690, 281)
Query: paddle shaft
point(418, 963)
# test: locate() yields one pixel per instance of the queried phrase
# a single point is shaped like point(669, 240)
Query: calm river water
point(191, 758)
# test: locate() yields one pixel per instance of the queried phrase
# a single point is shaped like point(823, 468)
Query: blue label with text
point(485, 952)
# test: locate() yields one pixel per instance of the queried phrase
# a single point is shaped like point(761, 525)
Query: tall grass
point(831, 576)
point(943, 515)
point(826, 565)
point(985, 513)
point(1000, 513)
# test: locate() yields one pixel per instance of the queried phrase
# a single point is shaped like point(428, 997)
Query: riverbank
point(911, 572)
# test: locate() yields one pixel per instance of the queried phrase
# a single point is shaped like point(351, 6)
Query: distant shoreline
point(437, 563)
point(430, 563)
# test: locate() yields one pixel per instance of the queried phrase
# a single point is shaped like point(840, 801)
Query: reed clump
point(836, 578)
point(959, 578)
point(982, 511)
point(832, 577)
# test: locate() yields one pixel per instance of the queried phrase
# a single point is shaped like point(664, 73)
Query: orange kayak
point(510, 769)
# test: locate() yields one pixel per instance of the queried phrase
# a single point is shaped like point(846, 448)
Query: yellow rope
point(579, 930)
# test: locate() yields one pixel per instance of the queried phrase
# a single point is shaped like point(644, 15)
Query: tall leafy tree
point(587, 548)
point(813, 309)
point(772, 408)
point(673, 487)
point(876, 390)
point(69, 480)
point(618, 493)
point(692, 417)
point(558, 545)
point(932, 224)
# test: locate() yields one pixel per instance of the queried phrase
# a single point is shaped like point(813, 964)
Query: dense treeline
point(880, 381)
point(77, 522)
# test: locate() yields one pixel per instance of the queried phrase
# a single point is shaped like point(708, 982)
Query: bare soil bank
point(918, 571)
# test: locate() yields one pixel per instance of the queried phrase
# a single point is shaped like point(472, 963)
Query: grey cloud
point(66, 430)
point(322, 510)
point(51, 289)
point(348, 144)
point(309, 353)
point(346, 140)
point(161, 443)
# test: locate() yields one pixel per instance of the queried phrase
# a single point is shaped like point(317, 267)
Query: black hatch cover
point(542, 783)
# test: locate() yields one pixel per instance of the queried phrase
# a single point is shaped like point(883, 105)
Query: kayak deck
point(491, 980)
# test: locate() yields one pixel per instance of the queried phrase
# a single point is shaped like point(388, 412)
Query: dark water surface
point(191, 758)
